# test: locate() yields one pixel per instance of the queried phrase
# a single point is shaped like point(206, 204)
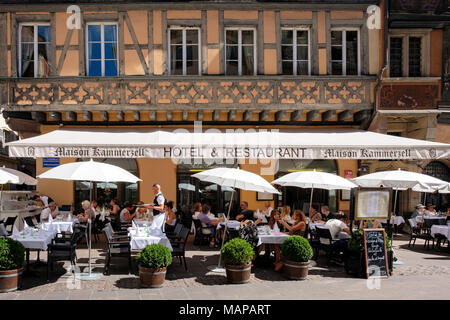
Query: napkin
point(50, 218)
point(133, 224)
point(69, 217)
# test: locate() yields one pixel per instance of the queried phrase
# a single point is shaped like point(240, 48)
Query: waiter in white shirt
point(52, 209)
point(158, 201)
point(44, 199)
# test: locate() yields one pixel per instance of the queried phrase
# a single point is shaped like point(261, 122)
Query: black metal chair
point(418, 233)
point(325, 243)
point(120, 248)
point(201, 233)
point(176, 232)
point(179, 246)
point(426, 231)
point(9, 224)
point(62, 249)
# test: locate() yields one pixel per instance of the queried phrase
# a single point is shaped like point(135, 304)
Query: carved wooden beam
point(87, 116)
point(55, 116)
point(216, 115)
point(120, 115)
point(279, 115)
point(231, 115)
point(345, 115)
point(264, 115)
point(247, 115)
point(328, 115)
point(296, 115)
point(71, 115)
point(312, 115)
point(200, 115)
point(104, 115)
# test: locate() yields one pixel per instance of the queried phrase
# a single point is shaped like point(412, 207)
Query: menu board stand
point(375, 253)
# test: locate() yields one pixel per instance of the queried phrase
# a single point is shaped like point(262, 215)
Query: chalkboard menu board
point(375, 253)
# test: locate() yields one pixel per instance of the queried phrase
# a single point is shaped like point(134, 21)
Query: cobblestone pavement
point(422, 274)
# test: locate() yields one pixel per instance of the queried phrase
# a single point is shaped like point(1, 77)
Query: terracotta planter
point(238, 274)
point(10, 280)
point(295, 270)
point(153, 278)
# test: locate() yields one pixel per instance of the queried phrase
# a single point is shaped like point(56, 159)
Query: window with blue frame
point(102, 48)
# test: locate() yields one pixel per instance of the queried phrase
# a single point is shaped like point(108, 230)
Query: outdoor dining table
point(58, 226)
point(231, 224)
point(395, 220)
point(440, 229)
point(142, 223)
point(268, 236)
point(31, 238)
point(141, 237)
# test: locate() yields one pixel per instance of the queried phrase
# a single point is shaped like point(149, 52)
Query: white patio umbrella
point(235, 179)
point(6, 177)
point(16, 177)
point(89, 171)
point(314, 180)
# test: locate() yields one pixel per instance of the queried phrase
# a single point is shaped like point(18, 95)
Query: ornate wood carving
point(60, 94)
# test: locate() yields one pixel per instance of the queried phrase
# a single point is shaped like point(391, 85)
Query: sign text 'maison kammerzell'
point(227, 152)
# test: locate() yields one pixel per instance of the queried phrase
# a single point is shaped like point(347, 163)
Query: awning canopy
point(226, 143)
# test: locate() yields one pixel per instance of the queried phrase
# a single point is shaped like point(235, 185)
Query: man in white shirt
point(158, 201)
point(337, 225)
point(52, 209)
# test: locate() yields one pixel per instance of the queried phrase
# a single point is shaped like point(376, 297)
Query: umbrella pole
point(310, 201)
point(219, 268)
point(425, 198)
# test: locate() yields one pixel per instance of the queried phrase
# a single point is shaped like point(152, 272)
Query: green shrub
point(237, 252)
point(155, 256)
point(12, 254)
point(297, 249)
point(356, 242)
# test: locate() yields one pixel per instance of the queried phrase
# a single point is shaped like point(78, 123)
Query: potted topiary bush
point(237, 256)
point(153, 262)
point(296, 252)
point(354, 261)
point(12, 256)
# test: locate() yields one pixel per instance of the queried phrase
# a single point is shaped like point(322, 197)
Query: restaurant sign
point(225, 152)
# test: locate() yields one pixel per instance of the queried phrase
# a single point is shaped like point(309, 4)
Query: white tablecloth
point(59, 226)
point(440, 229)
point(142, 223)
point(397, 220)
point(35, 239)
point(267, 236)
point(232, 224)
point(140, 240)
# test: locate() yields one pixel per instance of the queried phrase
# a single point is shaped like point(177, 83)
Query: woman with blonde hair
point(84, 217)
point(286, 215)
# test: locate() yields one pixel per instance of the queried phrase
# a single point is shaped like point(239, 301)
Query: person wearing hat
point(418, 213)
point(431, 211)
